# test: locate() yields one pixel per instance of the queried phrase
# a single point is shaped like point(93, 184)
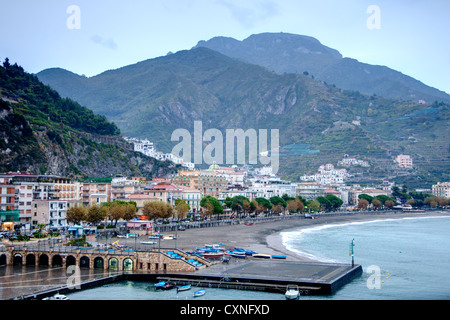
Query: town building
point(441, 189)
point(52, 213)
point(404, 161)
point(96, 193)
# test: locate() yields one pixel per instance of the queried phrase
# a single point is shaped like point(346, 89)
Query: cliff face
point(42, 133)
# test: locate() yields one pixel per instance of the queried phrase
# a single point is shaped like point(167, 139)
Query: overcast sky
point(411, 36)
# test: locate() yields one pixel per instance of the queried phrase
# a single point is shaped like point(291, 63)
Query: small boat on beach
point(184, 288)
point(235, 254)
point(148, 242)
point(292, 292)
point(274, 256)
point(262, 255)
point(212, 254)
point(199, 293)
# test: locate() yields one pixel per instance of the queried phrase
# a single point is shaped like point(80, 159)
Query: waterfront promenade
point(262, 237)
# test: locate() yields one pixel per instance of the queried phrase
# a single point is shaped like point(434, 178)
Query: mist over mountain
point(152, 98)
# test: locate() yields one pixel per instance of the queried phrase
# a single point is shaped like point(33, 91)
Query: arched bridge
point(106, 259)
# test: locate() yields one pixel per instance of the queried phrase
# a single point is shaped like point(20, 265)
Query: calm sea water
point(412, 256)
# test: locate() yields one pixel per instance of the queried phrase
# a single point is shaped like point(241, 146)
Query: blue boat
point(199, 293)
point(184, 288)
point(247, 252)
point(278, 257)
point(160, 285)
point(235, 254)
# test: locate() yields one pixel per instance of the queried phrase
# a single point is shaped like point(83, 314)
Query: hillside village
point(29, 200)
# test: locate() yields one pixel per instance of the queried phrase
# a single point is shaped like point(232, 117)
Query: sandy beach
point(266, 238)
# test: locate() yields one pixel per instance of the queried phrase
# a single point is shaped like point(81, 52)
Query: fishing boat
point(292, 292)
point(160, 285)
point(212, 254)
point(155, 236)
point(235, 254)
point(184, 288)
point(199, 293)
point(247, 252)
point(168, 286)
point(274, 256)
point(262, 255)
point(148, 242)
point(57, 297)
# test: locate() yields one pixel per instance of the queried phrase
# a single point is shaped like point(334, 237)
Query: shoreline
point(266, 237)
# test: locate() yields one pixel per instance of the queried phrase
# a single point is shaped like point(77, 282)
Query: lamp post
point(352, 244)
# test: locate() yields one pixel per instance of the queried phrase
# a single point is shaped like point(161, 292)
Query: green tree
point(324, 203)
point(266, 204)
point(217, 207)
point(278, 201)
point(335, 202)
point(365, 196)
point(313, 205)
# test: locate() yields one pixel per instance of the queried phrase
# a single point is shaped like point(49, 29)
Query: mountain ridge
point(42, 133)
point(285, 52)
point(154, 97)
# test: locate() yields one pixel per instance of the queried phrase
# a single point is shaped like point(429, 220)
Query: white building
point(441, 189)
point(404, 161)
point(326, 175)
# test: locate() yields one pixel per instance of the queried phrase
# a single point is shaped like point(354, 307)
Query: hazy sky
point(411, 36)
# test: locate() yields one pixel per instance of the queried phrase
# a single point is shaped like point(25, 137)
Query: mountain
point(290, 53)
point(43, 133)
point(318, 122)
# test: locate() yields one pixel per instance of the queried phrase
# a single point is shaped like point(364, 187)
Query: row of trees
point(238, 205)
point(94, 213)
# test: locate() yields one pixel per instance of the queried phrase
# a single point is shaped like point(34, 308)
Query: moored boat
point(274, 256)
point(292, 292)
point(262, 255)
point(184, 288)
point(199, 293)
point(159, 285)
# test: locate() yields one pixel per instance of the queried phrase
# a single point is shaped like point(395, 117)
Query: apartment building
point(441, 189)
point(404, 161)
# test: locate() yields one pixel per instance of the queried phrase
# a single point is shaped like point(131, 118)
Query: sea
point(402, 259)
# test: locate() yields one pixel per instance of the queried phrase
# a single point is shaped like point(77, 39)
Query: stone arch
point(71, 261)
point(57, 261)
point(3, 261)
point(127, 264)
point(113, 264)
point(17, 259)
point(43, 260)
point(99, 263)
point(84, 262)
point(30, 259)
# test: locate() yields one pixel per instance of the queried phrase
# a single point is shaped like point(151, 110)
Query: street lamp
point(352, 244)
